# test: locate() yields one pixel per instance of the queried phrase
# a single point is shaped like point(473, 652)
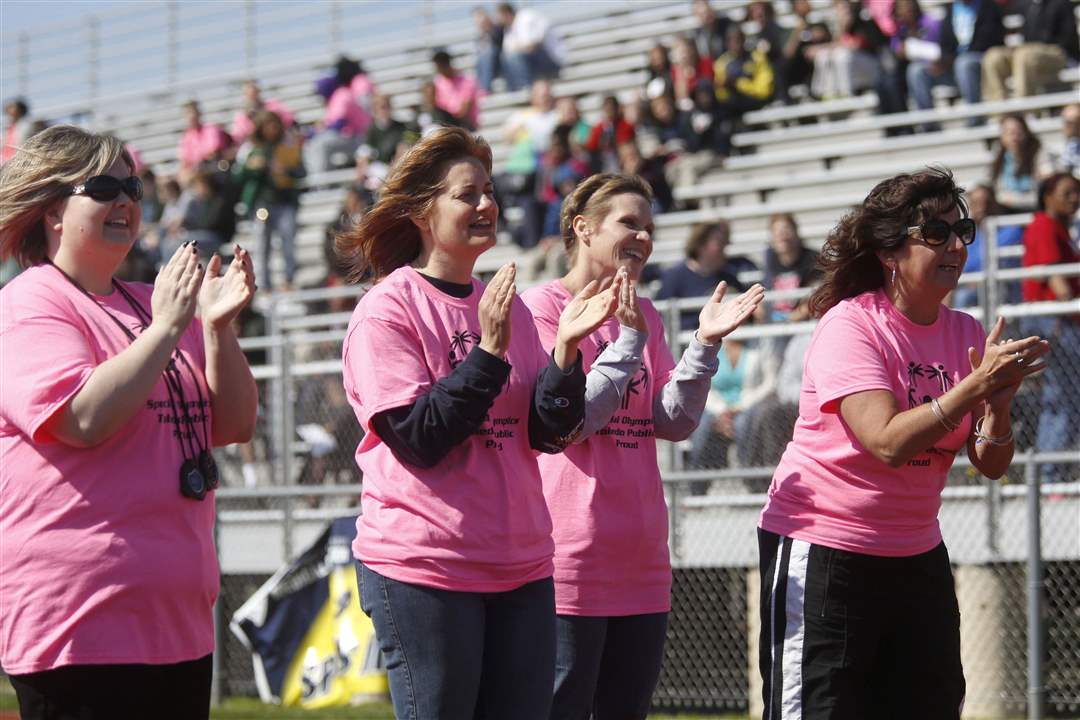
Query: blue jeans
point(281, 220)
point(1060, 413)
point(607, 667)
point(459, 655)
point(521, 69)
point(488, 66)
point(966, 75)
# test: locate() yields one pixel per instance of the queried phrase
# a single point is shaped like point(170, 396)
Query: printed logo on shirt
point(638, 384)
point(926, 382)
point(460, 343)
point(498, 429)
point(197, 410)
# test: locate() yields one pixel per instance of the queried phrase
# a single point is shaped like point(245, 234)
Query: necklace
point(198, 472)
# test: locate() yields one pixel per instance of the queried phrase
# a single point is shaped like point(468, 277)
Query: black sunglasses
point(105, 188)
point(937, 232)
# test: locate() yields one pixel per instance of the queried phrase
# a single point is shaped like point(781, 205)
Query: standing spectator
point(200, 144)
point(970, 28)
point(531, 48)
point(1047, 242)
point(1050, 43)
point(344, 120)
point(982, 205)
point(710, 33)
point(489, 40)
point(895, 386)
point(17, 128)
point(705, 266)
point(243, 123)
point(456, 92)
point(1018, 164)
point(268, 170)
point(607, 134)
point(789, 264)
point(1068, 159)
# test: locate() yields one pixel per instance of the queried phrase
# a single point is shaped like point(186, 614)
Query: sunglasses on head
point(937, 232)
point(104, 188)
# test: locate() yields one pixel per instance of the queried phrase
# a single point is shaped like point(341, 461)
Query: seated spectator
point(769, 38)
point(658, 80)
point(773, 420)
point(705, 266)
point(1017, 166)
point(201, 144)
point(568, 114)
point(531, 48)
point(456, 92)
point(385, 133)
point(1050, 43)
point(428, 116)
point(1068, 158)
point(606, 135)
point(356, 202)
point(689, 71)
point(970, 28)
point(489, 39)
point(798, 67)
point(243, 123)
point(742, 81)
point(917, 47)
point(344, 120)
point(669, 132)
point(1047, 242)
point(150, 206)
point(982, 205)
point(17, 129)
point(651, 170)
point(559, 173)
point(789, 264)
point(745, 378)
point(206, 215)
point(268, 171)
point(528, 131)
point(710, 33)
point(849, 64)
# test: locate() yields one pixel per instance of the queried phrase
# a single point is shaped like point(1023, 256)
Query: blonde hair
point(43, 170)
point(386, 238)
point(592, 199)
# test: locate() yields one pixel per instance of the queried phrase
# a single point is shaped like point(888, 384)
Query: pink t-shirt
point(476, 522)
point(103, 560)
point(605, 494)
point(198, 144)
point(830, 490)
point(453, 93)
point(242, 127)
point(343, 105)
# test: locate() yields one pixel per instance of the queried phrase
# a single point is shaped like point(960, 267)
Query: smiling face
point(95, 230)
point(925, 271)
point(622, 238)
point(462, 219)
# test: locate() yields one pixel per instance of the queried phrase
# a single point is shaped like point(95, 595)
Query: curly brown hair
point(849, 258)
point(386, 238)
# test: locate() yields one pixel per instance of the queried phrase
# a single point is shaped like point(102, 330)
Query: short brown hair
point(386, 238)
point(43, 170)
point(699, 236)
point(592, 199)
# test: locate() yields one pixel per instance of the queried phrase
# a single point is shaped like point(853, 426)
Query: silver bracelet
point(940, 415)
point(998, 440)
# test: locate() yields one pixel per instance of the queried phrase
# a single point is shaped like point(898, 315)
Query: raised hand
point(176, 290)
point(719, 317)
point(628, 310)
point(224, 295)
point(494, 311)
point(589, 309)
point(1005, 363)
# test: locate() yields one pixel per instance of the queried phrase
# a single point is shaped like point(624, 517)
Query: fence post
point(1034, 591)
point(288, 423)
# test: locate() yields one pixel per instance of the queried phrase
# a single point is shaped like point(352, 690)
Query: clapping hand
point(719, 317)
point(629, 310)
point(1005, 363)
point(589, 309)
point(224, 295)
point(494, 310)
point(176, 289)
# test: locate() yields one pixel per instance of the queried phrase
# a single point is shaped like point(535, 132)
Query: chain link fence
point(1020, 610)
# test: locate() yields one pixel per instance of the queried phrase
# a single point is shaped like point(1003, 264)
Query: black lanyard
point(200, 460)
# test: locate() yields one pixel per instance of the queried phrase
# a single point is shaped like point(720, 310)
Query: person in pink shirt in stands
point(345, 117)
point(199, 143)
point(243, 121)
point(456, 394)
point(612, 570)
point(455, 92)
point(112, 397)
point(859, 617)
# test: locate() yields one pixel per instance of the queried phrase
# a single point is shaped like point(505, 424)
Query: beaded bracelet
point(940, 415)
point(998, 440)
